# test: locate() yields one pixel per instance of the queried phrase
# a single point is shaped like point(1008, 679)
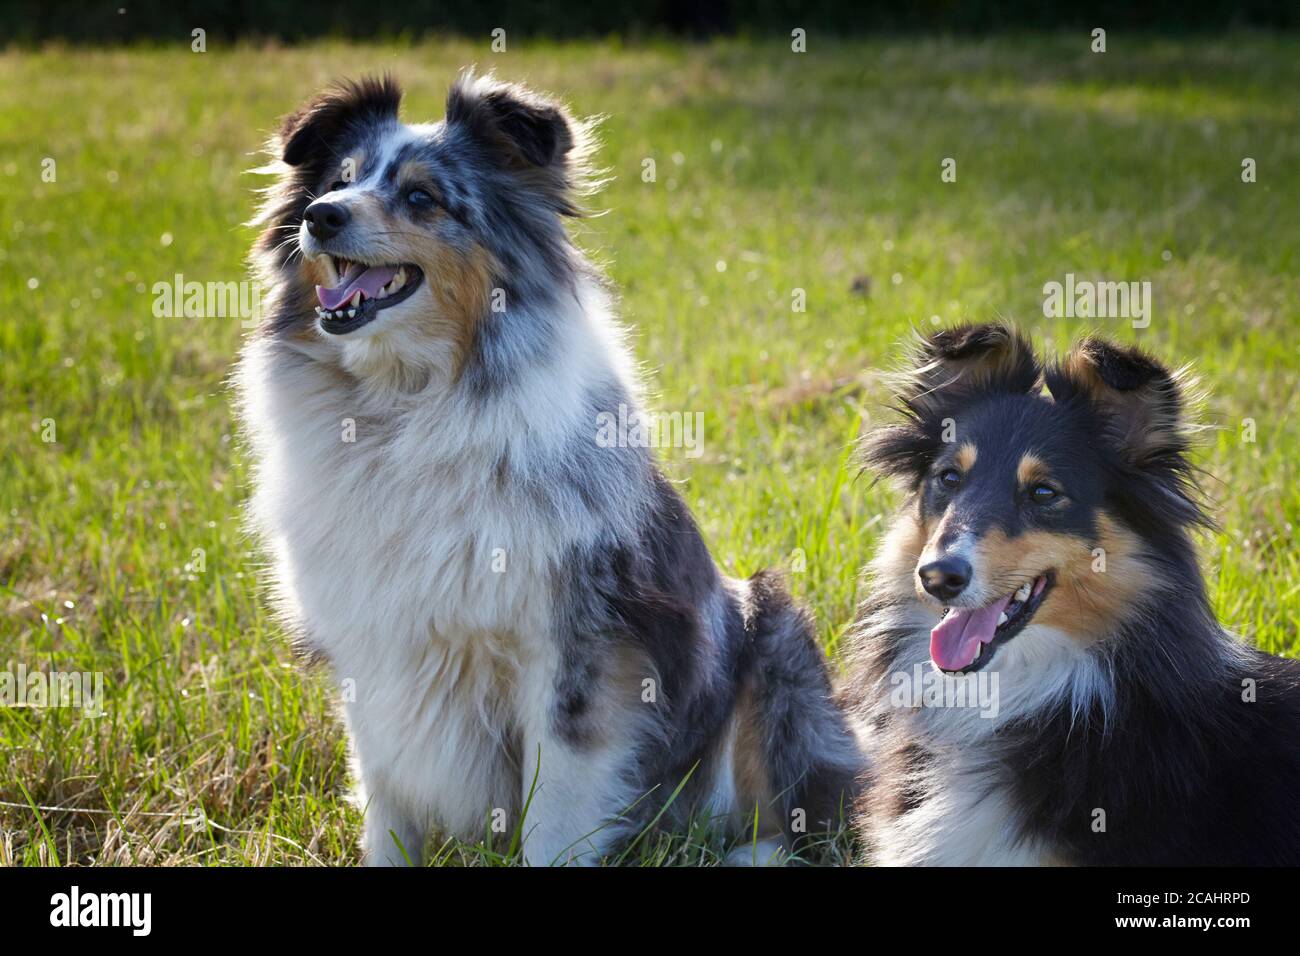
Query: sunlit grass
point(121, 549)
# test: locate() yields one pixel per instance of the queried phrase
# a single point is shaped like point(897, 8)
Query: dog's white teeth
point(356, 298)
point(1002, 618)
point(1023, 593)
point(352, 313)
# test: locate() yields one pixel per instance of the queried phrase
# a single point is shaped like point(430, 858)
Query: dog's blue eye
point(950, 477)
point(1041, 494)
point(419, 197)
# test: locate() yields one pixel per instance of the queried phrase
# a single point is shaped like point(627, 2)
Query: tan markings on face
point(935, 532)
point(459, 280)
point(1085, 603)
point(314, 272)
point(303, 304)
point(461, 286)
point(899, 554)
point(1088, 603)
point(1031, 470)
point(966, 456)
point(411, 174)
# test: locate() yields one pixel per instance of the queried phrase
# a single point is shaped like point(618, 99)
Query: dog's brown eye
point(1042, 494)
point(419, 197)
point(950, 477)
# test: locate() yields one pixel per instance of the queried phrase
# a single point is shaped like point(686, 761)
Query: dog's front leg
point(575, 798)
point(389, 831)
point(576, 803)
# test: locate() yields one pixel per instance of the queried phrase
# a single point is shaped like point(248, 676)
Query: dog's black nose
point(326, 219)
point(945, 578)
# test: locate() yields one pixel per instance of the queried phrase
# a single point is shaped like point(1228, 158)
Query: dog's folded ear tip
point(530, 126)
point(294, 151)
point(329, 113)
point(970, 338)
point(1124, 368)
point(944, 365)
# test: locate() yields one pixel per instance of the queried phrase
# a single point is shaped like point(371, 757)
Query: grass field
point(122, 550)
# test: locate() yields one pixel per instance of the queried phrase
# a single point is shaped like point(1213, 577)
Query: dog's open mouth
point(362, 292)
point(967, 638)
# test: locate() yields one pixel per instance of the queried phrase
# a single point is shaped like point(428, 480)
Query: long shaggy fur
point(503, 599)
point(1132, 728)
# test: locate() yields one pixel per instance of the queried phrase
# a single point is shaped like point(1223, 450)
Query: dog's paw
point(762, 853)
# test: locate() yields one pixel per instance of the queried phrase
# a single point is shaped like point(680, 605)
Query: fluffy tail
point(811, 758)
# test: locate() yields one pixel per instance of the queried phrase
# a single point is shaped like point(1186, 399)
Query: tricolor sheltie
point(519, 614)
point(1039, 675)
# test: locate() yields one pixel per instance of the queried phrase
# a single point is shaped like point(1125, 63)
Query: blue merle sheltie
point(520, 616)
point(1044, 558)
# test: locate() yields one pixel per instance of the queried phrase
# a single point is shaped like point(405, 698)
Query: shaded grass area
point(121, 550)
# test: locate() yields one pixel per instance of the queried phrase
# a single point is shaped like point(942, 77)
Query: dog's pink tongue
point(955, 641)
point(368, 281)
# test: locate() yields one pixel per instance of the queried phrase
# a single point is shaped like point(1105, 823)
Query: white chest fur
point(427, 580)
point(965, 819)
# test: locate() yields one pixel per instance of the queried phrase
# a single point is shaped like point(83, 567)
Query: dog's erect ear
point(952, 364)
point(321, 123)
point(946, 371)
point(1146, 416)
point(1144, 405)
point(520, 126)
